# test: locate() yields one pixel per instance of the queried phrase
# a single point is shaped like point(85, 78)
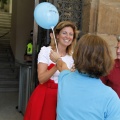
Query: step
point(4, 50)
point(5, 60)
point(5, 20)
point(9, 79)
point(4, 45)
point(5, 53)
point(9, 84)
point(5, 25)
point(4, 29)
point(5, 32)
point(5, 56)
point(7, 76)
point(4, 42)
point(5, 16)
point(4, 37)
point(5, 13)
point(4, 83)
point(6, 65)
point(10, 71)
point(9, 89)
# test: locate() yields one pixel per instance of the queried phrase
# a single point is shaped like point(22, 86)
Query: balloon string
point(55, 39)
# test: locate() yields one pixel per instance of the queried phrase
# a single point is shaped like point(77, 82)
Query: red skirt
point(42, 103)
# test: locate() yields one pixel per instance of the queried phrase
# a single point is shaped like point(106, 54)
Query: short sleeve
point(43, 55)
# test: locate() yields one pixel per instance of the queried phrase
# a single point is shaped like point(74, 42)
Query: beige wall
point(109, 17)
point(102, 17)
point(22, 24)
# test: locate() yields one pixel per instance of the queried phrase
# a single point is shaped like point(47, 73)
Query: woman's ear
point(57, 36)
point(51, 35)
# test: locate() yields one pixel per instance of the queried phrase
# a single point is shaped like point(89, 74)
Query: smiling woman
point(43, 101)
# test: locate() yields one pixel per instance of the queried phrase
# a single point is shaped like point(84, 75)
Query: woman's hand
point(54, 56)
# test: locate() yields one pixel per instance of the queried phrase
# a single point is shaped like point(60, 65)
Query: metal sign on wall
point(69, 10)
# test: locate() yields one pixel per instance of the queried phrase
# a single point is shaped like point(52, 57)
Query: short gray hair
point(118, 38)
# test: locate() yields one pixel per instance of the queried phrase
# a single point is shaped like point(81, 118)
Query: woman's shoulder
point(108, 91)
point(43, 55)
point(45, 49)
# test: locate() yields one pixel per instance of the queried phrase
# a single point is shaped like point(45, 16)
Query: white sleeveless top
point(43, 57)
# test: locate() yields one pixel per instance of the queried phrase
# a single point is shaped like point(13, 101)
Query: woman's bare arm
point(43, 73)
point(55, 57)
point(61, 65)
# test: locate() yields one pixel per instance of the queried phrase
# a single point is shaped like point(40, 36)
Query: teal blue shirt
point(81, 97)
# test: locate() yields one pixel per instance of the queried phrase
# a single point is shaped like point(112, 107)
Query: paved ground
point(8, 103)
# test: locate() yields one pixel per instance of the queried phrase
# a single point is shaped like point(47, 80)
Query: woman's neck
point(62, 50)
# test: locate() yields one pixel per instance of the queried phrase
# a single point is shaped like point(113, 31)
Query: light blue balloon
point(46, 15)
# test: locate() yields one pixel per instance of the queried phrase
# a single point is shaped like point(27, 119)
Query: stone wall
point(109, 17)
point(102, 17)
point(86, 15)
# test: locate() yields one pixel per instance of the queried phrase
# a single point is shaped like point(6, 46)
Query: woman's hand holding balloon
point(54, 56)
